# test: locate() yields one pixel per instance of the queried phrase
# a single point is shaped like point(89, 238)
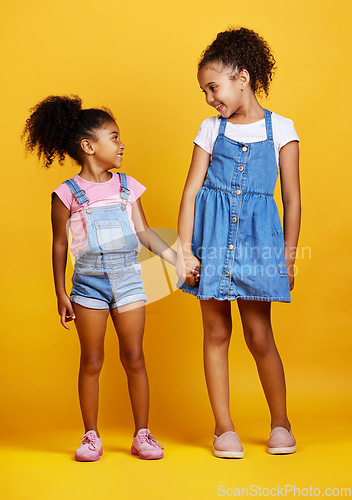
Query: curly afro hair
point(57, 125)
point(243, 49)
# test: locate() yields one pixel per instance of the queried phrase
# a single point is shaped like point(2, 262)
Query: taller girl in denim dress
point(230, 229)
point(237, 232)
point(107, 222)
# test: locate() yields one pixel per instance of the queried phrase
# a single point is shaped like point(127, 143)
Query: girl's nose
point(210, 99)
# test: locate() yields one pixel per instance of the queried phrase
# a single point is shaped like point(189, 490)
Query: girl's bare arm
point(148, 237)
point(196, 175)
point(291, 198)
point(59, 218)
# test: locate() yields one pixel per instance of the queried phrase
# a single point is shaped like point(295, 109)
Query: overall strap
point(77, 192)
point(268, 125)
point(125, 192)
point(222, 126)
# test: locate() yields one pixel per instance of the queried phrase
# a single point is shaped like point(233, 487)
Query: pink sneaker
point(281, 441)
point(145, 446)
point(90, 449)
point(228, 445)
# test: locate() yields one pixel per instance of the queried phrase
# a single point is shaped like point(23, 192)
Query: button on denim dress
point(237, 232)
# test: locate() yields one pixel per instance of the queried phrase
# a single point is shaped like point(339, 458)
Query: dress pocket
point(110, 235)
point(279, 251)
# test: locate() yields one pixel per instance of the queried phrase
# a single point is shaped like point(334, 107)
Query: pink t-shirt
point(99, 194)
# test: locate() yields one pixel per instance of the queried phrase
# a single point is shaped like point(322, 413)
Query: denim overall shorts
point(107, 274)
point(237, 233)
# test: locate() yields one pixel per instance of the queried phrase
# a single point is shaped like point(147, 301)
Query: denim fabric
point(107, 273)
point(237, 232)
point(107, 281)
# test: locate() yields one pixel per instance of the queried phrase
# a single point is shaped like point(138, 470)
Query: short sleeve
point(65, 195)
point(207, 133)
point(136, 188)
point(287, 132)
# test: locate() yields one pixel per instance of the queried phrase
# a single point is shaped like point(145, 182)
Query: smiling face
point(222, 87)
point(107, 147)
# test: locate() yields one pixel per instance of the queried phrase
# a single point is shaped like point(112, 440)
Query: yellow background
point(139, 59)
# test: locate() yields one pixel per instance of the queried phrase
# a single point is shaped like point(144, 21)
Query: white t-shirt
point(283, 132)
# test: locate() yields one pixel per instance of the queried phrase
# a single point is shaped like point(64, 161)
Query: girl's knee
point(217, 333)
point(133, 361)
point(91, 365)
point(259, 342)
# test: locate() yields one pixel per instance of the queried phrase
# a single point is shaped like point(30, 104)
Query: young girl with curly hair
point(230, 230)
point(107, 222)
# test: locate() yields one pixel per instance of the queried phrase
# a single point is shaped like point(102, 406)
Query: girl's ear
point(87, 146)
point(243, 79)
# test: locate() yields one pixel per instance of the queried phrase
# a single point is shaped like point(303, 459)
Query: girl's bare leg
point(129, 325)
point(217, 324)
point(259, 337)
point(91, 326)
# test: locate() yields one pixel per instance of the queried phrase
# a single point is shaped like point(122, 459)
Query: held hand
point(188, 269)
point(66, 311)
point(196, 272)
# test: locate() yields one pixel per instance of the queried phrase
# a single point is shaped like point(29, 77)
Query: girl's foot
point(281, 441)
point(145, 446)
point(228, 445)
point(90, 449)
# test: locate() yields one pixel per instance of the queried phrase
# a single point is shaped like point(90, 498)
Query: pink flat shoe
point(90, 449)
point(228, 445)
point(146, 447)
point(281, 441)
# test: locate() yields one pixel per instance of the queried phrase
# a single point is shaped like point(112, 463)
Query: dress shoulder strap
point(268, 125)
point(125, 192)
point(222, 126)
point(77, 192)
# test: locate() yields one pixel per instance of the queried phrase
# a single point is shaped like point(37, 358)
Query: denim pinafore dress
point(107, 273)
point(237, 232)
